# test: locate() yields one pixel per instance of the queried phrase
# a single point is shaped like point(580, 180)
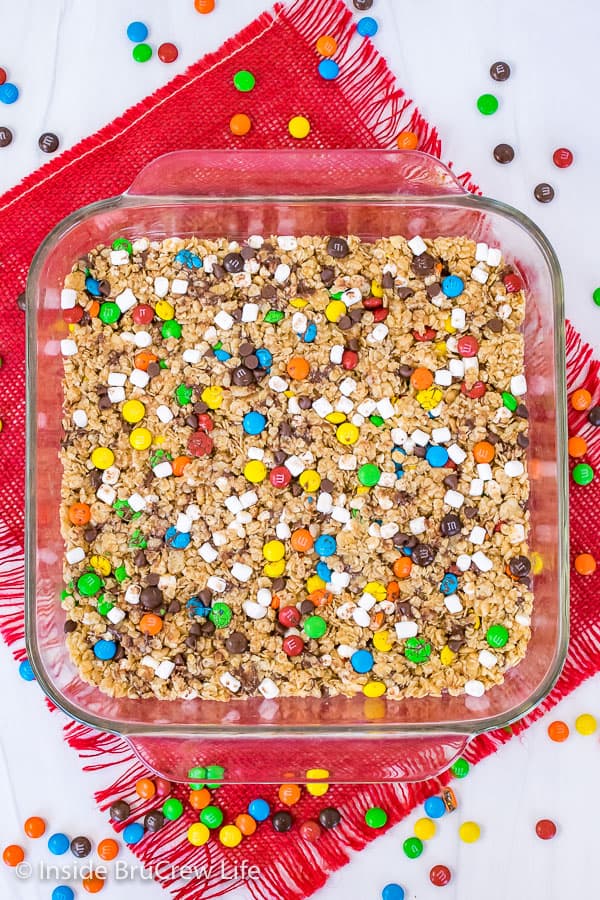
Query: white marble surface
point(72, 63)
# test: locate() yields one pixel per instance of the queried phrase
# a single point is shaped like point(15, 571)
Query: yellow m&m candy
point(133, 411)
point(425, 829)
point(347, 433)
point(310, 480)
point(255, 471)
point(140, 438)
point(299, 127)
point(376, 289)
point(376, 589)
point(100, 564)
point(274, 551)
point(374, 689)
point(314, 583)
point(213, 396)
point(469, 832)
point(334, 310)
point(230, 835)
point(319, 788)
point(447, 656)
point(274, 569)
point(381, 641)
point(164, 310)
point(198, 834)
point(102, 458)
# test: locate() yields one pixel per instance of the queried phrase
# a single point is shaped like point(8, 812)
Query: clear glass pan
point(369, 193)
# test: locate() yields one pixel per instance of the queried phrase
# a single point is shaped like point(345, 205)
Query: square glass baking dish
point(369, 193)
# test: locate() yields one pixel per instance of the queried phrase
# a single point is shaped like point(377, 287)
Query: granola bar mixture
point(295, 466)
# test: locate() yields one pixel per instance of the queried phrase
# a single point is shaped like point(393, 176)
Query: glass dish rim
point(368, 730)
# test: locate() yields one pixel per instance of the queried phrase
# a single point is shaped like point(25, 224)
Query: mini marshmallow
point(163, 469)
point(230, 682)
point(322, 407)
point(161, 286)
point(366, 408)
point(255, 610)
point(293, 407)
point(208, 262)
point(299, 322)
point(294, 465)
point(139, 378)
point(282, 273)
point(456, 454)
point(183, 524)
point(336, 353)
point(287, 242)
point(111, 475)
point(106, 494)
point(443, 377)
point(474, 688)
point(283, 531)
point(387, 480)
point(357, 420)
point(68, 347)
point(417, 245)
point(268, 689)
point(351, 296)
point(137, 502)
point(241, 572)
point(457, 368)
point(417, 526)
point(388, 530)
point(223, 320)
point(75, 555)
point(406, 630)
point(385, 408)
point(347, 386)
point(471, 364)
point(340, 579)
point(518, 385)
point(420, 438)
point(165, 669)
point(249, 312)
point(523, 620)
point(514, 468)
point(277, 384)
point(116, 394)
point(142, 339)
point(264, 597)
point(398, 435)
point(458, 318)
point(476, 487)
point(454, 499)
point(116, 379)
point(340, 514)
point(179, 286)
point(345, 405)
point(125, 300)
point(441, 435)
point(140, 245)
point(481, 252)
point(243, 279)
point(149, 662)
point(191, 356)
point(68, 298)
point(483, 562)
point(367, 601)
point(248, 499)
point(463, 562)
point(453, 604)
point(478, 535)
point(219, 538)
point(484, 471)
point(255, 241)
point(132, 594)
point(216, 584)
point(379, 333)
point(80, 418)
point(479, 274)
point(345, 650)
point(324, 502)
point(487, 659)
point(347, 462)
point(118, 257)
point(233, 505)
point(361, 617)
point(115, 615)
point(494, 257)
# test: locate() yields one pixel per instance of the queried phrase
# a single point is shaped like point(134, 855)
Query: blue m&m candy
point(310, 333)
point(179, 540)
point(435, 807)
point(105, 649)
point(323, 571)
point(92, 286)
point(264, 357)
point(452, 286)
point(133, 833)
point(63, 892)
point(449, 583)
point(254, 423)
point(25, 671)
point(362, 661)
point(392, 891)
point(9, 93)
point(137, 32)
point(325, 545)
point(367, 26)
point(328, 69)
point(436, 456)
point(259, 809)
point(58, 843)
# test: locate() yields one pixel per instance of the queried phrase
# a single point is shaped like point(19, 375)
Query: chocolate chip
point(330, 817)
point(247, 252)
point(494, 325)
point(91, 532)
point(500, 71)
point(470, 511)
point(296, 489)
point(205, 596)
point(246, 349)
point(120, 811)
point(242, 376)
point(233, 262)
point(285, 429)
point(208, 628)
point(153, 369)
point(218, 271)
point(362, 5)
point(307, 608)
point(268, 292)
point(120, 653)
point(405, 292)
point(387, 281)
point(450, 525)
point(192, 420)
point(420, 452)
point(6, 136)
point(328, 486)
point(451, 482)
point(491, 437)
point(200, 407)
point(152, 578)
point(519, 566)
point(304, 402)
point(104, 402)
point(455, 643)
point(70, 626)
point(356, 314)
point(48, 142)
point(151, 597)
point(423, 554)
point(352, 343)
point(521, 411)
point(523, 440)
point(282, 821)
point(543, 192)
point(327, 276)
point(338, 247)
point(154, 820)
point(196, 628)
point(191, 641)
point(423, 264)
point(401, 539)
point(22, 302)
point(278, 584)
point(104, 288)
point(236, 643)
point(81, 846)
point(504, 153)
point(280, 457)
point(251, 362)
point(593, 416)
point(174, 607)
point(344, 323)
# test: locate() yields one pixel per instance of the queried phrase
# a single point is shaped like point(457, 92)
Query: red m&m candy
point(200, 444)
point(280, 477)
point(293, 645)
point(440, 876)
point(289, 616)
point(562, 158)
point(467, 345)
point(476, 391)
point(73, 315)
point(545, 829)
point(512, 283)
point(142, 314)
point(349, 359)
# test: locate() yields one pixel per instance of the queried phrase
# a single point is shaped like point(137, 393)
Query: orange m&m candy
point(298, 368)
point(179, 464)
point(13, 855)
point(483, 452)
point(94, 309)
point(150, 623)
point(585, 564)
point(240, 124)
point(302, 540)
point(108, 849)
point(145, 788)
point(402, 567)
point(577, 446)
point(79, 513)
point(289, 794)
point(421, 378)
point(199, 799)
point(558, 731)
point(204, 6)
point(143, 359)
point(93, 883)
point(246, 824)
point(581, 399)
point(326, 45)
point(34, 827)
point(407, 140)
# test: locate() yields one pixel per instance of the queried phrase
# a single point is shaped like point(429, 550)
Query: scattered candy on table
point(25, 671)
point(545, 829)
point(440, 876)
point(585, 724)
point(469, 832)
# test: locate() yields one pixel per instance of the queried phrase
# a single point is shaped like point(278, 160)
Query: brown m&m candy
point(282, 821)
point(81, 847)
point(330, 817)
point(500, 71)
point(154, 820)
point(120, 811)
point(236, 643)
point(543, 192)
point(233, 262)
point(338, 247)
point(503, 153)
point(6, 136)
point(48, 142)
point(423, 554)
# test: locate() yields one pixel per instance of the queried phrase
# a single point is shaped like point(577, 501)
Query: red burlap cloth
point(364, 107)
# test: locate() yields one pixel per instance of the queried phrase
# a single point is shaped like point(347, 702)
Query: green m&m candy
point(172, 808)
point(244, 81)
point(89, 584)
point(121, 572)
point(220, 615)
point(376, 817)
point(596, 296)
point(274, 315)
point(122, 244)
point(184, 394)
point(109, 313)
point(171, 329)
point(376, 420)
point(583, 474)
point(104, 606)
point(213, 774)
point(211, 816)
point(487, 104)
point(315, 627)
point(497, 636)
point(413, 847)
point(509, 401)
point(197, 774)
point(369, 474)
point(142, 52)
point(417, 650)
point(460, 768)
